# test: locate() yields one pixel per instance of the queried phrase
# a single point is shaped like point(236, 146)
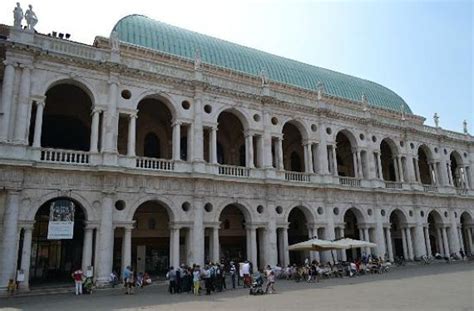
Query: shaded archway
point(435, 231)
point(153, 129)
point(298, 231)
point(457, 171)
point(150, 239)
point(398, 234)
point(230, 139)
point(466, 233)
point(53, 260)
point(426, 174)
point(345, 157)
point(388, 160)
point(232, 235)
point(352, 229)
point(293, 152)
point(67, 118)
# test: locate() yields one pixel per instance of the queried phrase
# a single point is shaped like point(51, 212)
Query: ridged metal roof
point(143, 31)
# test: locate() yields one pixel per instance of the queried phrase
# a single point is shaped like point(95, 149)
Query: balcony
point(349, 181)
point(154, 164)
point(232, 170)
point(430, 188)
point(393, 185)
point(296, 176)
point(64, 156)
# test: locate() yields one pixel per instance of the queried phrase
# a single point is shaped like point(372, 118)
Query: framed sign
point(61, 220)
point(20, 276)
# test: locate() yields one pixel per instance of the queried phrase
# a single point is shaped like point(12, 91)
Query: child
point(270, 282)
point(11, 287)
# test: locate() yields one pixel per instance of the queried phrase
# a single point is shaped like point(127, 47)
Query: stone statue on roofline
point(365, 102)
point(320, 89)
point(114, 41)
point(31, 18)
point(263, 77)
point(436, 119)
point(17, 16)
point(464, 127)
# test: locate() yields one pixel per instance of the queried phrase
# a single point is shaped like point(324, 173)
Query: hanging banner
point(61, 220)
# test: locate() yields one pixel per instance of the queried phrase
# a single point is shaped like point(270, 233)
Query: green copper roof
point(143, 31)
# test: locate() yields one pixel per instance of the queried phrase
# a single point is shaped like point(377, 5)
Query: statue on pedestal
point(464, 127)
point(31, 18)
point(436, 119)
point(114, 41)
point(17, 16)
point(263, 77)
point(197, 59)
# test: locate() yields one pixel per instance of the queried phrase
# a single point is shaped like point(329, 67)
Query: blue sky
point(423, 50)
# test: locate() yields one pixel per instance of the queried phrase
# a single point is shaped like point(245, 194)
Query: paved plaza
point(416, 287)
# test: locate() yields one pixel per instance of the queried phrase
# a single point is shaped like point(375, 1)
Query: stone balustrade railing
point(393, 185)
point(430, 188)
point(296, 176)
point(64, 156)
point(349, 181)
point(236, 171)
point(71, 48)
point(154, 164)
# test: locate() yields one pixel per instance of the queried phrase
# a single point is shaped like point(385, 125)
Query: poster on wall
point(61, 220)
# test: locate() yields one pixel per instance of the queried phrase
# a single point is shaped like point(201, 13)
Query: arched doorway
point(426, 173)
point(436, 234)
point(346, 159)
point(388, 160)
point(353, 230)
point(230, 140)
point(233, 238)
point(53, 260)
point(298, 231)
point(67, 118)
point(154, 133)
point(150, 239)
point(293, 153)
point(466, 233)
point(398, 233)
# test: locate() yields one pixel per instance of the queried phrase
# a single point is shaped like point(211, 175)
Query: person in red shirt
point(77, 276)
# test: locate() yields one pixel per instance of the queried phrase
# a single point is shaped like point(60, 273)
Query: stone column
point(260, 148)
point(249, 158)
point(38, 123)
point(215, 244)
point(410, 170)
point(198, 141)
point(176, 141)
point(379, 164)
point(420, 244)
point(461, 240)
point(389, 243)
point(400, 169)
point(95, 130)
point(379, 237)
point(7, 96)
point(132, 136)
point(280, 154)
point(322, 158)
point(334, 161)
point(23, 107)
point(106, 240)
point(174, 245)
point(213, 145)
point(110, 118)
point(397, 171)
point(198, 233)
point(449, 173)
point(9, 238)
point(367, 238)
point(343, 251)
point(354, 163)
point(87, 247)
point(404, 242)
point(308, 157)
point(286, 254)
point(445, 241)
point(253, 246)
point(468, 234)
point(417, 170)
point(409, 243)
point(439, 240)
point(26, 256)
point(359, 164)
point(427, 241)
point(127, 247)
point(189, 143)
point(271, 256)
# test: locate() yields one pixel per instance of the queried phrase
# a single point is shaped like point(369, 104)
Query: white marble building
point(178, 148)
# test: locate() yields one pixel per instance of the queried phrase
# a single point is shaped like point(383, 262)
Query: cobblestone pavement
point(416, 287)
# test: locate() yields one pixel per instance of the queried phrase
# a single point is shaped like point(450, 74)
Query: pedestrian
point(270, 282)
point(77, 276)
point(171, 277)
point(11, 287)
point(246, 273)
point(223, 273)
point(207, 279)
point(197, 279)
point(128, 280)
point(233, 273)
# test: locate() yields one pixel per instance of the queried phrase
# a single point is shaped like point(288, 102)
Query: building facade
point(174, 147)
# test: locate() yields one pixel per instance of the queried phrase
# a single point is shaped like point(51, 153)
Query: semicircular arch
point(402, 216)
point(357, 212)
point(163, 201)
point(243, 207)
point(299, 124)
point(162, 97)
point(241, 115)
point(78, 82)
point(309, 215)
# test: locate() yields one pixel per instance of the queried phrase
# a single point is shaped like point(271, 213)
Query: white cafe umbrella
point(351, 243)
point(315, 245)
